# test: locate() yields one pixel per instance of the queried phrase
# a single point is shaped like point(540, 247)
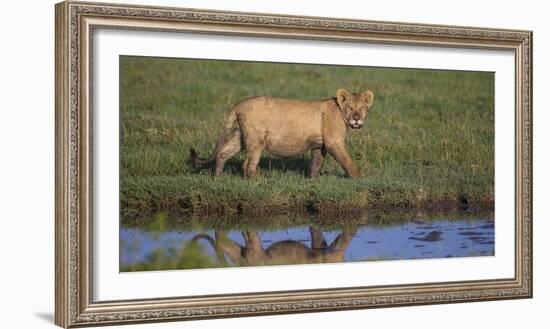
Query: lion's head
point(354, 107)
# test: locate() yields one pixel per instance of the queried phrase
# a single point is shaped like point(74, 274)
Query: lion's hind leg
point(231, 147)
point(250, 164)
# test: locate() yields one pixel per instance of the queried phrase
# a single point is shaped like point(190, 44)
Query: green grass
point(429, 137)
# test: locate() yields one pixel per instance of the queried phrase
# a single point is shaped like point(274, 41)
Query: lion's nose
point(356, 116)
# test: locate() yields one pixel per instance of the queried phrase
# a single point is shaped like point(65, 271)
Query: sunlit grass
point(430, 133)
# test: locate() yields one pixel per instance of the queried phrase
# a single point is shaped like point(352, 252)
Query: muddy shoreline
point(309, 208)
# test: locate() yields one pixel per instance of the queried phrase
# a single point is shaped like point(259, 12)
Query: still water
point(161, 246)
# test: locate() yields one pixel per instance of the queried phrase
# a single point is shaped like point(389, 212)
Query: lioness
point(281, 252)
point(288, 128)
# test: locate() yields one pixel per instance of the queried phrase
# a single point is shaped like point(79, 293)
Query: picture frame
point(76, 23)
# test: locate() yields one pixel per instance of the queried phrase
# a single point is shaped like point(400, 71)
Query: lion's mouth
point(355, 126)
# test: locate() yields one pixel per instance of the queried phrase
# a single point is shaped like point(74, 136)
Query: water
point(165, 246)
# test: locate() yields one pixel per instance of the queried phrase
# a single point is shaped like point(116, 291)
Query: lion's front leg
point(343, 158)
point(317, 159)
point(318, 241)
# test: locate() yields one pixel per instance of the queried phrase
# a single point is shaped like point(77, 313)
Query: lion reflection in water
point(279, 253)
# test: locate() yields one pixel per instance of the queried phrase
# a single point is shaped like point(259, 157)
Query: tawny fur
point(289, 128)
point(282, 252)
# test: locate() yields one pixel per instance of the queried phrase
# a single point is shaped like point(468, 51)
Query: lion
point(281, 252)
point(289, 128)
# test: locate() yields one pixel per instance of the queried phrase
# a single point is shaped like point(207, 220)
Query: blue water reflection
point(308, 244)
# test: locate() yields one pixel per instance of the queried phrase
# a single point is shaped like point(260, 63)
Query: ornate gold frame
point(76, 21)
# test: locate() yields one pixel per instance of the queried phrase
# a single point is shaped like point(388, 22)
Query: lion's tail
point(213, 243)
point(206, 237)
point(229, 126)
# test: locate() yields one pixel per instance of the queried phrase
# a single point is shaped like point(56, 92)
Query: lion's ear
point(368, 96)
point(341, 96)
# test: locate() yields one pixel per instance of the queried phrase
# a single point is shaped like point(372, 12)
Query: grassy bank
point(428, 138)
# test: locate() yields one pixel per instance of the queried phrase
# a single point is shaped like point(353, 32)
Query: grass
point(429, 137)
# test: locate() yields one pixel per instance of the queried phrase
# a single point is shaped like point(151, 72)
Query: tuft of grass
point(429, 136)
point(189, 256)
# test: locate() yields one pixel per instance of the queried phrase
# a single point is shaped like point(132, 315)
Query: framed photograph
point(218, 164)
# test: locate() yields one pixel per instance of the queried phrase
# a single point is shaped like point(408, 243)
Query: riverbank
point(284, 194)
point(383, 217)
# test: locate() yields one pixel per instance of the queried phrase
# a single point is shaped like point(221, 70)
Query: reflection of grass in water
point(481, 253)
point(157, 226)
point(189, 256)
point(377, 258)
point(187, 222)
point(131, 249)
